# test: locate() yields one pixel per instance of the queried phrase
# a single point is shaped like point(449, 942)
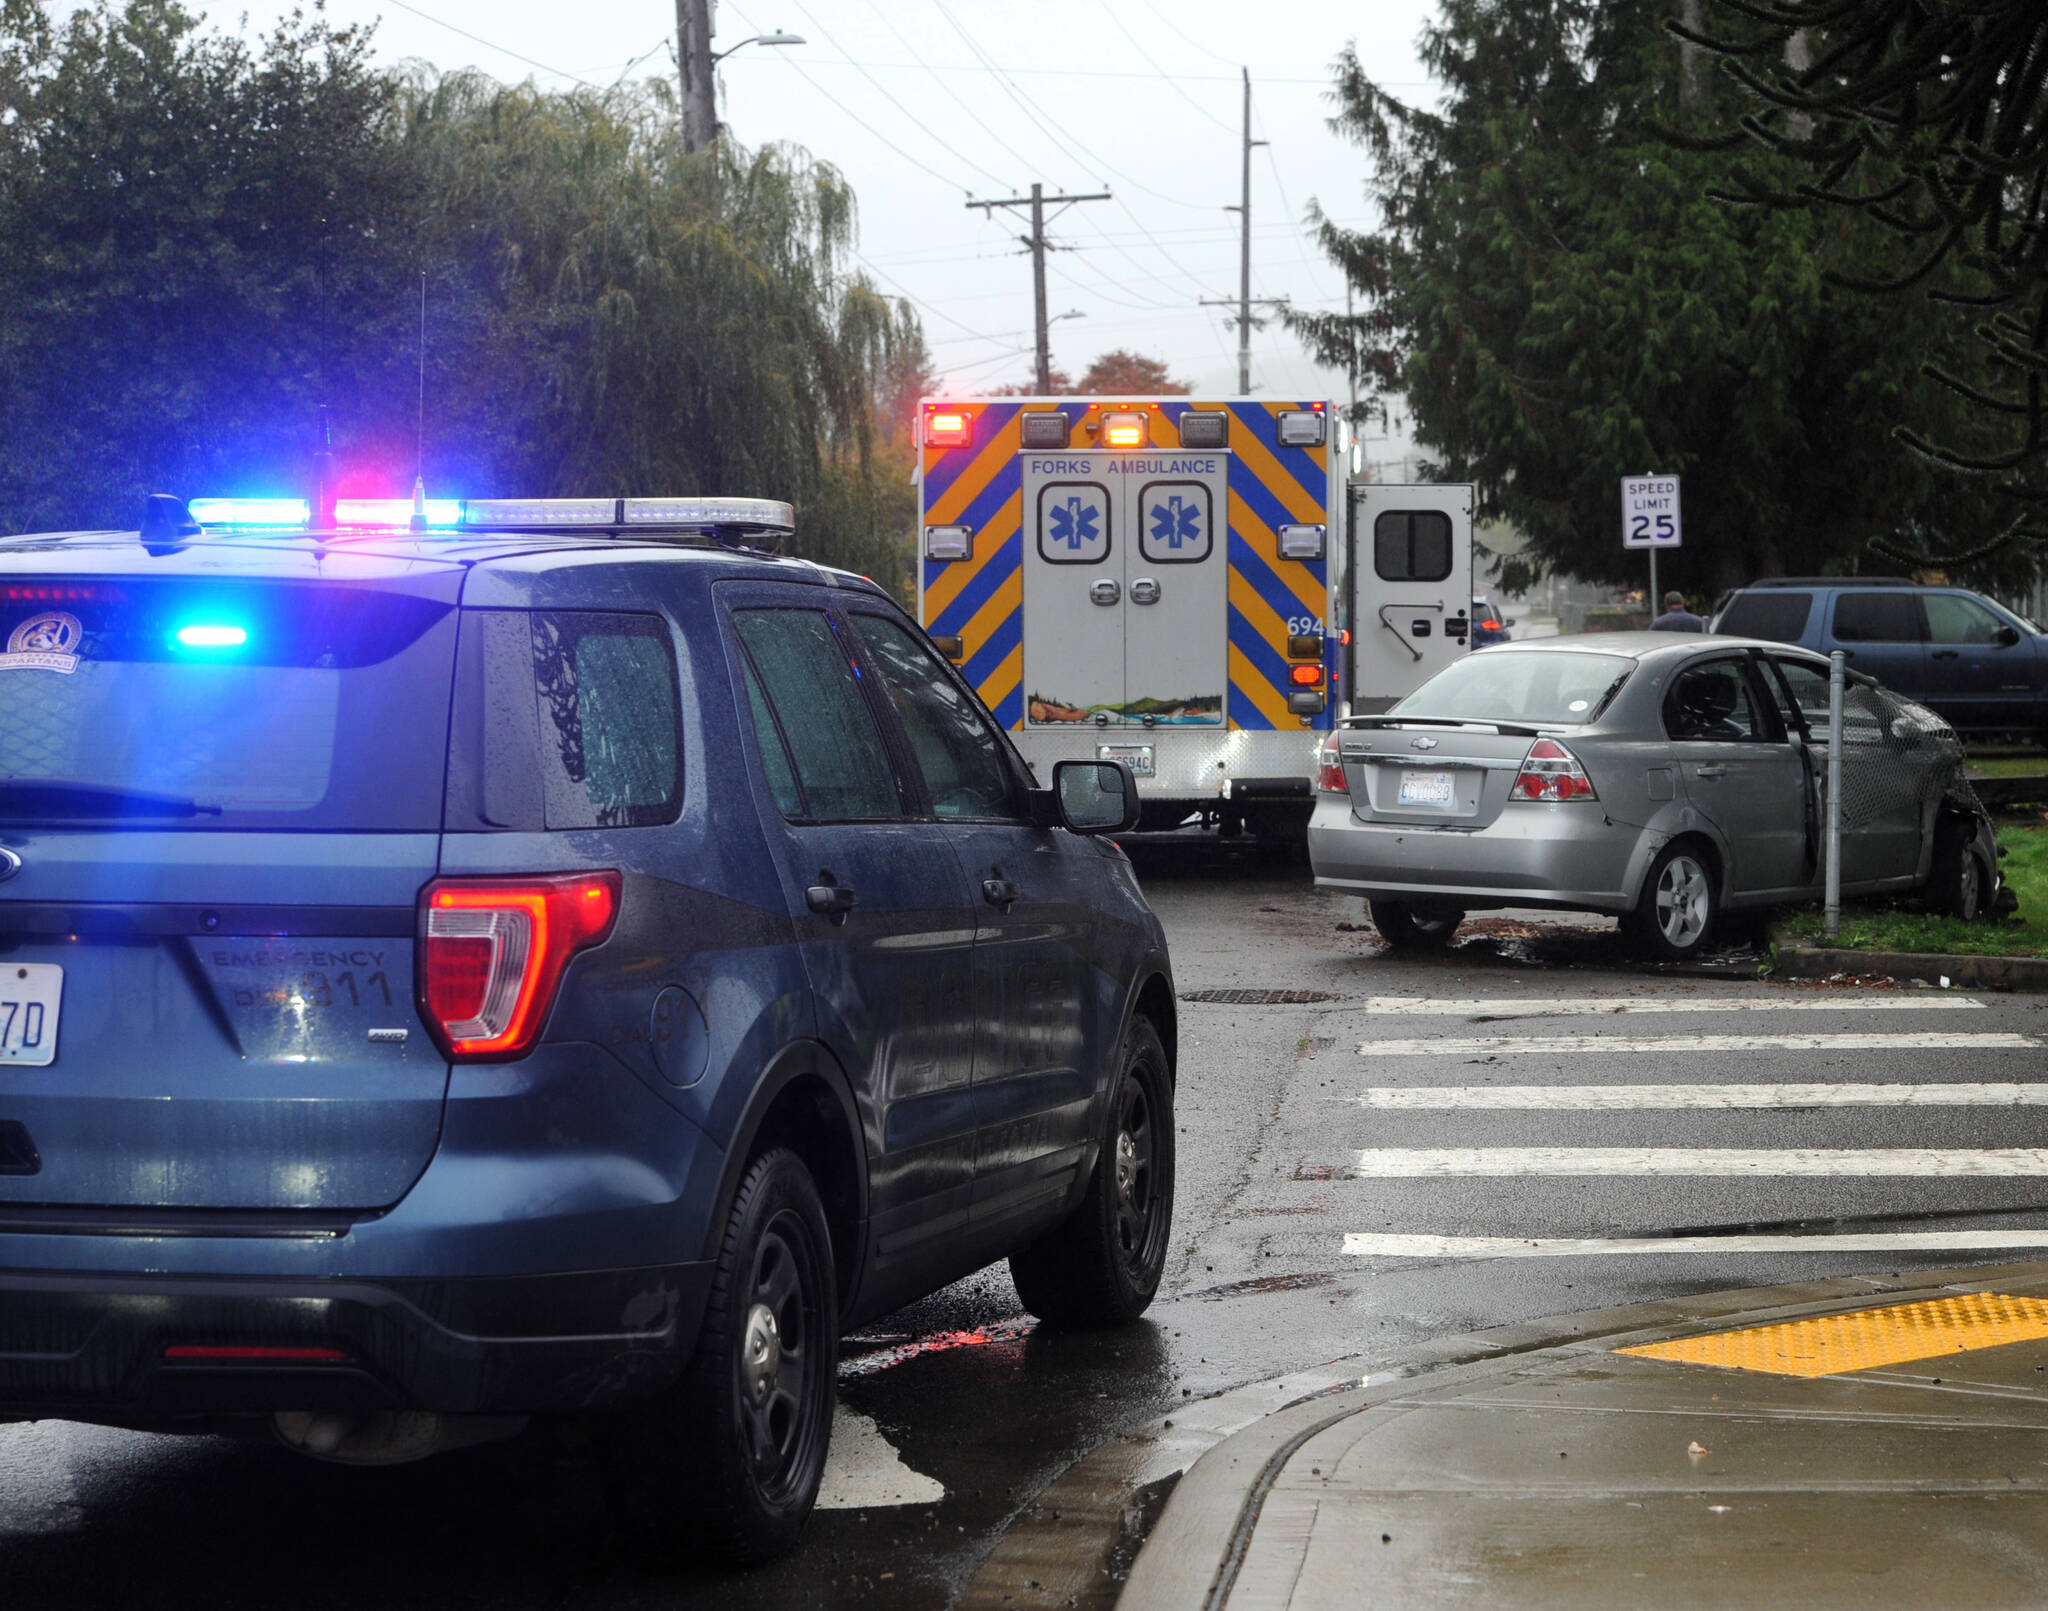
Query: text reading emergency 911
point(1106, 464)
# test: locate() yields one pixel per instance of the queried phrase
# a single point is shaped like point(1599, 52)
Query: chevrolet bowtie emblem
point(1422, 743)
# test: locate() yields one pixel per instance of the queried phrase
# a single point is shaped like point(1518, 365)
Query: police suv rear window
point(1774, 616)
point(223, 705)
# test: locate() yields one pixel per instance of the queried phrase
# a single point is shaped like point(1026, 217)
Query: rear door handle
point(1710, 771)
point(999, 891)
point(831, 900)
point(1943, 654)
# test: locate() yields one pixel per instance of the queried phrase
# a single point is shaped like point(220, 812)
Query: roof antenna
point(419, 480)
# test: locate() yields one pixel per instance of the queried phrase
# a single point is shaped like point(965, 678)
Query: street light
point(1071, 313)
point(776, 38)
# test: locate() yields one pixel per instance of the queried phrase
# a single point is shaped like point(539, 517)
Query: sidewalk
point(1858, 1442)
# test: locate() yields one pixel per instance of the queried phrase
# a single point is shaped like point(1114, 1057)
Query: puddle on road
point(883, 1352)
point(1262, 1284)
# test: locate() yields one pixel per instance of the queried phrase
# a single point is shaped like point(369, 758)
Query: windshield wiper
point(62, 797)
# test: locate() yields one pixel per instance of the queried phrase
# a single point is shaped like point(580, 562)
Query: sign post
point(1649, 519)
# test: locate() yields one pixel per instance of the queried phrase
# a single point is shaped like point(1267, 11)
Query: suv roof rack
point(1832, 581)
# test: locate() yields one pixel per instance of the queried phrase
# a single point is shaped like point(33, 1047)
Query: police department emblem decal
point(47, 642)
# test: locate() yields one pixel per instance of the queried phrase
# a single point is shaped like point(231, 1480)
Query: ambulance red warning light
point(948, 427)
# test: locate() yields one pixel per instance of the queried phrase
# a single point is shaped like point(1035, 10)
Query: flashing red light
point(1489, 626)
point(59, 593)
point(949, 427)
point(493, 951)
point(1307, 676)
point(1344, 637)
point(308, 1356)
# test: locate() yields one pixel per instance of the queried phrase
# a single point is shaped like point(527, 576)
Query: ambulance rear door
point(1411, 580)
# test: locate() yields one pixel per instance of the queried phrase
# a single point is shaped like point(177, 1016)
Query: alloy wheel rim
point(1682, 901)
point(1136, 1174)
point(1968, 891)
point(778, 1356)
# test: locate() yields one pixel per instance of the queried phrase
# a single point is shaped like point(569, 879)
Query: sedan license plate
point(30, 994)
point(1138, 757)
point(1424, 788)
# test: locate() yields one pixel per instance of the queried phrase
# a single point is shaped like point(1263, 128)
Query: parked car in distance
point(539, 970)
point(1665, 780)
point(1968, 659)
point(1489, 626)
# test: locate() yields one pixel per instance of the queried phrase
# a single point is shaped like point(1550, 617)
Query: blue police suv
point(474, 962)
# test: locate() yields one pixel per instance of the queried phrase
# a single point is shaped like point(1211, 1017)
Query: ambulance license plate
point(1138, 757)
point(30, 993)
point(1424, 788)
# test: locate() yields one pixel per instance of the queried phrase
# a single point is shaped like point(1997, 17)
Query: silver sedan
point(1665, 780)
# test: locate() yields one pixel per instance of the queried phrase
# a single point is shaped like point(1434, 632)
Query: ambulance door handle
point(1144, 591)
point(1103, 592)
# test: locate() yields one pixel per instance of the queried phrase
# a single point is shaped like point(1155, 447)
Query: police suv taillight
point(492, 952)
point(1330, 770)
point(1552, 772)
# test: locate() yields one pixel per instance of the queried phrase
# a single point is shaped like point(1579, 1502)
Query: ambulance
point(1165, 582)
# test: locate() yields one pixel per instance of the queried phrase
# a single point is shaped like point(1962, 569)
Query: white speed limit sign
point(1649, 511)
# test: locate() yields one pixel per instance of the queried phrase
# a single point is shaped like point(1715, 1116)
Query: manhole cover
point(1258, 998)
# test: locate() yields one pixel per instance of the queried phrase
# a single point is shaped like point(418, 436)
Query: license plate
point(1138, 757)
point(1424, 788)
point(30, 993)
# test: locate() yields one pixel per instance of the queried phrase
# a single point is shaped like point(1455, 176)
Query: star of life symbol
point(46, 642)
point(1178, 520)
point(1072, 522)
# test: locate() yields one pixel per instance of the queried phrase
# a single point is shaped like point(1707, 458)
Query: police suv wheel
point(754, 1413)
point(1101, 1265)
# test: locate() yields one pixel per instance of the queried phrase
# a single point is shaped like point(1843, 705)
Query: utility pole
point(1036, 244)
point(1245, 322)
point(693, 57)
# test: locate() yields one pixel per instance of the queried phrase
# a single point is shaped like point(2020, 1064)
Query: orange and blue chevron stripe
point(980, 599)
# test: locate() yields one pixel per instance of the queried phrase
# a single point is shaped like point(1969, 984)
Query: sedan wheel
point(1677, 910)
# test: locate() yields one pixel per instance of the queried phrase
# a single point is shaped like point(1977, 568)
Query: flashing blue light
point(251, 511)
point(206, 636)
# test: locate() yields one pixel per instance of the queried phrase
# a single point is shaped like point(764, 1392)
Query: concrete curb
point(1072, 1546)
point(1192, 1555)
point(1962, 972)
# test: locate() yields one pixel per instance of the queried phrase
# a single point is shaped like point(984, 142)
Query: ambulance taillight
point(948, 427)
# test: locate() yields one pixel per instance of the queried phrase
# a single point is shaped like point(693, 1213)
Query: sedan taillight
point(1330, 770)
point(492, 952)
point(1552, 772)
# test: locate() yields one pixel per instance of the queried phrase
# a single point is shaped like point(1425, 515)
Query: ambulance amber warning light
point(949, 427)
point(1124, 430)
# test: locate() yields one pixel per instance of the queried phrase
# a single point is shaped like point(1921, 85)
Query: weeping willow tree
point(207, 248)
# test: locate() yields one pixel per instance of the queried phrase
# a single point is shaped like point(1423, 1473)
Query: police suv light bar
point(395, 514)
point(722, 514)
point(523, 512)
point(765, 515)
point(251, 511)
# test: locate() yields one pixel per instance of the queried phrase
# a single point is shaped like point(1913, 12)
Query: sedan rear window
point(1520, 685)
point(1775, 617)
point(233, 705)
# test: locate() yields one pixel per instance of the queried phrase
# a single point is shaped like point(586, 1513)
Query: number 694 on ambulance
point(1160, 581)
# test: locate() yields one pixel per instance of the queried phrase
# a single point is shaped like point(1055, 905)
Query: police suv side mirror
point(2007, 636)
point(1091, 797)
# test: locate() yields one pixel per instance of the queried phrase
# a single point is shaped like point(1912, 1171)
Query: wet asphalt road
point(964, 1408)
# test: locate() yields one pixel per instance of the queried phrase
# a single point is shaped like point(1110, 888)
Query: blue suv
point(558, 962)
point(1978, 666)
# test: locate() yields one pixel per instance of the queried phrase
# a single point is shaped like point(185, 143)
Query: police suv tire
point(1407, 929)
point(1101, 1265)
point(1680, 906)
point(752, 1416)
point(1956, 885)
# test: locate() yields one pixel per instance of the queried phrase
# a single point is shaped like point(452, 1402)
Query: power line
point(1174, 83)
point(936, 140)
point(488, 44)
point(932, 74)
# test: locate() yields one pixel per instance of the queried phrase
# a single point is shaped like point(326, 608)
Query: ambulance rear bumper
point(1199, 766)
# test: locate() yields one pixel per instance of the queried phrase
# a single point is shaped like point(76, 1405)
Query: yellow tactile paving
point(1865, 1339)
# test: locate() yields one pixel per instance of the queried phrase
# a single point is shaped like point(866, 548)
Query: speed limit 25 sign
point(1649, 511)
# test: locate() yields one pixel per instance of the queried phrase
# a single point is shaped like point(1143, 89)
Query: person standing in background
point(1676, 617)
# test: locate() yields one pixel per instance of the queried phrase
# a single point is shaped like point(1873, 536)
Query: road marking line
point(1389, 1245)
point(1401, 1163)
point(1597, 1097)
point(1524, 1045)
point(1864, 1339)
point(1615, 1006)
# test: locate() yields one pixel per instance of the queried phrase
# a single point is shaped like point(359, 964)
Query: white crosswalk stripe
point(1397, 1163)
point(1673, 1045)
point(1374, 1245)
point(1604, 1098)
point(1666, 1006)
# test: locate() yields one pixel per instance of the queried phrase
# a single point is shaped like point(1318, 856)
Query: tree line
point(217, 257)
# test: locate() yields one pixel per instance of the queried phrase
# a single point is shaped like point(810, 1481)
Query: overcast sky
point(924, 103)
